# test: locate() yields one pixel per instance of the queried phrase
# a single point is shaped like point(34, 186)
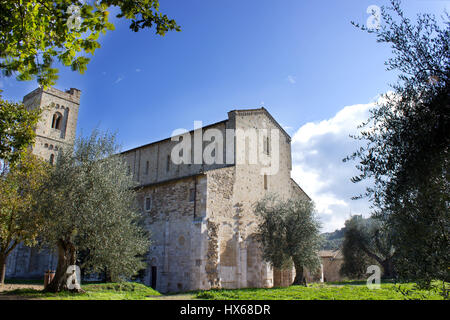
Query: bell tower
point(57, 127)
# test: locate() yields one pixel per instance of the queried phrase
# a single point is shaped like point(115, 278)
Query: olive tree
point(366, 242)
point(407, 139)
point(89, 205)
point(289, 232)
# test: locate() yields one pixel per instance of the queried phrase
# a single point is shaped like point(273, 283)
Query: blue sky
point(302, 60)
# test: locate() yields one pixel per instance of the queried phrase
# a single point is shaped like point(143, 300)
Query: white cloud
point(138, 70)
point(317, 151)
point(291, 79)
point(118, 80)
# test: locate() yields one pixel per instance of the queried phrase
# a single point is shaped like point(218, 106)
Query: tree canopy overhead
point(33, 33)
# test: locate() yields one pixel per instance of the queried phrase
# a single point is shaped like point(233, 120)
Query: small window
point(148, 203)
point(52, 159)
point(168, 163)
point(147, 166)
point(266, 145)
point(192, 195)
point(265, 181)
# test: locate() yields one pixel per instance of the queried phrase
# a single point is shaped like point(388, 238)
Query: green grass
point(349, 290)
point(346, 290)
point(100, 291)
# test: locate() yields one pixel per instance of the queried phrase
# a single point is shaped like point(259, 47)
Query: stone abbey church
point(200, 215)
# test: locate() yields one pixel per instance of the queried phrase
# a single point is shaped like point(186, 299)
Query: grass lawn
point(99, 291)
point(349, 290)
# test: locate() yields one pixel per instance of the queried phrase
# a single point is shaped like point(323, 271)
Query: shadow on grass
point(24, 281)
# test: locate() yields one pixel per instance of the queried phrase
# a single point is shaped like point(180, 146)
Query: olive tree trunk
point(299, 278)
point(388, 269)
point(66, 257)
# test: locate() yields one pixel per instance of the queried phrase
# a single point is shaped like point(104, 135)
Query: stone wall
point(331, 268)
point(178, 233)
point(25, 262)
point(152, 163)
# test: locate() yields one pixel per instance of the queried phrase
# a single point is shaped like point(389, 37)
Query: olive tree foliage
point(407, 144)
point(289, 232)
point(33, 33)
point(367, 242)
point(89, 205)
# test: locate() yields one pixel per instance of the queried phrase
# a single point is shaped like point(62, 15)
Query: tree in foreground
point(17, 126)
point(19, 185)
point(367, 242)
point(407, 149)
point(20, 175)
point(289, 233)
point(88, 204)
point(35, 32)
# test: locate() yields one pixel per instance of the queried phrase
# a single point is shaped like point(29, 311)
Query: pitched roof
point(335, 254)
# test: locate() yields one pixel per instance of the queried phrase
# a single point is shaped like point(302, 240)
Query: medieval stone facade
point(200, 215)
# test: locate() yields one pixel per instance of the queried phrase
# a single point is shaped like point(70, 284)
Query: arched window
point(57, 121)
point(52, 159)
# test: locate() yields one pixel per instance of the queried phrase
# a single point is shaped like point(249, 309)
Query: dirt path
point(11, 297)
point(8, 287)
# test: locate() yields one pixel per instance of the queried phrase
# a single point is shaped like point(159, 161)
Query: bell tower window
point(56, 121)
